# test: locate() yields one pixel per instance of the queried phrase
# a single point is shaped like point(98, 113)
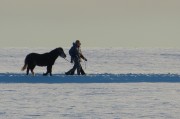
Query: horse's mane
point(55, 50)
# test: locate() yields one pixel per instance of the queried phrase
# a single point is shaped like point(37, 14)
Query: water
point(79, 101)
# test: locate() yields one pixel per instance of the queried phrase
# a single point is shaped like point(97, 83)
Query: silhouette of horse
point(46, 59)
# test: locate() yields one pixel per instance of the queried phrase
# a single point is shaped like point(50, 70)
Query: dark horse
point(46, 59)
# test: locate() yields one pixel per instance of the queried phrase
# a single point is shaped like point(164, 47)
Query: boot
point(82, 71)
point(78, 71)
point(70, 72)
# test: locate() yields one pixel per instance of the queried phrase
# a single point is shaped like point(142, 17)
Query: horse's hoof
point(44, 74)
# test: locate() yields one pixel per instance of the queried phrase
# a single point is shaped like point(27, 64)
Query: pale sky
point(97, 23)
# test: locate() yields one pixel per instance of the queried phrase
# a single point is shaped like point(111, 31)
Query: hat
point(77, 41)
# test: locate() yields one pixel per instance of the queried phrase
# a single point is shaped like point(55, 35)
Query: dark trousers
point(77, 65)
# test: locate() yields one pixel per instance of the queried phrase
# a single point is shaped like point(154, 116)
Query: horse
point(46, 59)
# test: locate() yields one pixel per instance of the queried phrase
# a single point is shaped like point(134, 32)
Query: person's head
point(78, 43)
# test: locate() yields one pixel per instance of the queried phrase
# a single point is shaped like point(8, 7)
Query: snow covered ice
point(121, 84)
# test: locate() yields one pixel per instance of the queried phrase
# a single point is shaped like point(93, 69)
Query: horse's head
point(60, 52)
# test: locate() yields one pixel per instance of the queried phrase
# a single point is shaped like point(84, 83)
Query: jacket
point(75, 52)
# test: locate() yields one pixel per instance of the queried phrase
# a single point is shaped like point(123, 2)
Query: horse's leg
point(50, 70)
point(27, 72)
point(32, 72)
point(32, 68)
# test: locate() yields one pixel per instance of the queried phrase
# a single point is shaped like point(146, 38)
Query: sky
point(96, 23)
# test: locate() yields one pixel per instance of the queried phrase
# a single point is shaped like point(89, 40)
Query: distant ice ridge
point(101, 61)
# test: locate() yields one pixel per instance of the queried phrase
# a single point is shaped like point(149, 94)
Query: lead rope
point(85, 65)
point(67, 60)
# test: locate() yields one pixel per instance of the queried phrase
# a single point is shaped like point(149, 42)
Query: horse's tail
point(25, 65)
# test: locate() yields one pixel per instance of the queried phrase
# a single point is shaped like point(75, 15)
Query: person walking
point(76, 56)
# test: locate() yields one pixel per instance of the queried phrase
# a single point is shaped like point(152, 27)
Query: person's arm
point(82, 56)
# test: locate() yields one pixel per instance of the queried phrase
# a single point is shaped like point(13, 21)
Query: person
point(76, 56)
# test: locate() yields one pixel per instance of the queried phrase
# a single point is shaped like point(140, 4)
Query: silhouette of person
point(76, 56)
